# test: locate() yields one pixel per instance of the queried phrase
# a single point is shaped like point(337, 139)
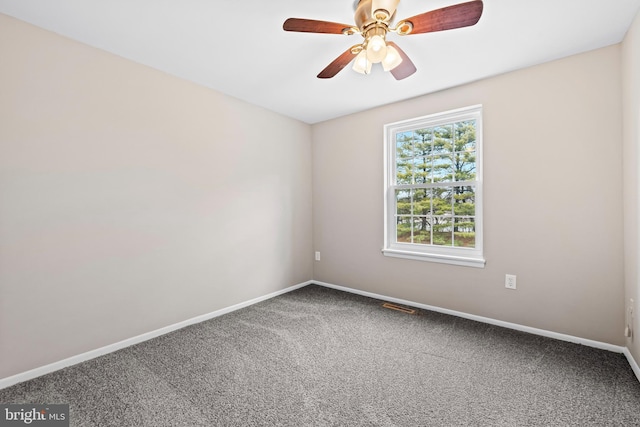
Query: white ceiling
point(239, 47)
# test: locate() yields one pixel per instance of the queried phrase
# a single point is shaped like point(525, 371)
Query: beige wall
point(552, 209)
point(631, 108)
point(131, 200)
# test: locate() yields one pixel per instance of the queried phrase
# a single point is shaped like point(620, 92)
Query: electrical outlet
point(510, 281)
point(317, 255)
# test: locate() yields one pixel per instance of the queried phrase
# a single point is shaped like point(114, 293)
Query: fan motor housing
point(371, 11)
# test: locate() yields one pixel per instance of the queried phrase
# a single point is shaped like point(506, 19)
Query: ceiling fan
point(373, 19)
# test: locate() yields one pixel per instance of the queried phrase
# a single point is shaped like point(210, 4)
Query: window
point(433, 188)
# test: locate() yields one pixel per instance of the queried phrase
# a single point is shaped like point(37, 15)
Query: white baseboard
point(535, 331)
point(632, 362)
point(34, 373)
point(74, 360)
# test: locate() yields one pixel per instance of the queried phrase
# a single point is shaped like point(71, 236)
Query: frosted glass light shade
point(362, 65)
point(376, 49)
point(392, 60)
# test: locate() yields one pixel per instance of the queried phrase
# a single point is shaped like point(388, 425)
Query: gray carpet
point(321, 357)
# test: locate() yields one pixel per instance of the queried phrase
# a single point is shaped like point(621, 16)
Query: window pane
point(464, 233)
point(443, 139)
point(442, 169)
point(403, 202)
point(404, 173)
point(422, 230)
point(442, 203)
point(404, 148)
point(422, 201)
point(442, 231)
point(464, 201)
point(465, 166)
point(423, 142)
point(403, 229)
point(422, 167)
point(465, 136)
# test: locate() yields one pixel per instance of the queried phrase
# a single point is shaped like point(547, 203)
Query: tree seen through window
point(435, 185)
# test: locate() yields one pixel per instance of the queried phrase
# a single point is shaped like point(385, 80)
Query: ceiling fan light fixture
point(392, 60)
point(372, 21)
point(362, 65)
point(376, 49)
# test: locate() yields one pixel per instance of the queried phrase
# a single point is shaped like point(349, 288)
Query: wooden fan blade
point(406, 67)
point(447, 18)
point(337, 65)
point(313, 26)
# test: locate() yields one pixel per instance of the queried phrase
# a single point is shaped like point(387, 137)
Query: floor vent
point(398, 308)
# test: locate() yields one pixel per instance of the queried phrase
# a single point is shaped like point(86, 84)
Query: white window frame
point(470, 257)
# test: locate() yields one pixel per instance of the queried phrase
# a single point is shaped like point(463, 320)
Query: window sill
point(431, 257)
